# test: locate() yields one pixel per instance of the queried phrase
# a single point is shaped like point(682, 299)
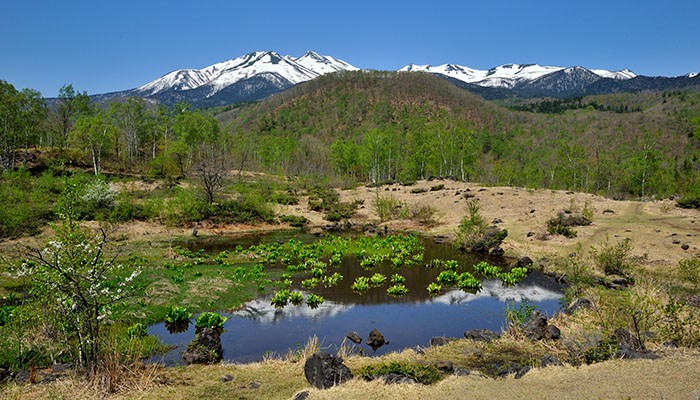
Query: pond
point(258, 328)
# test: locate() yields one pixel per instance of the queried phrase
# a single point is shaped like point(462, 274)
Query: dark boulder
point(226, 378)
point(302, 395)
point(443, 365)
point(323, 370)
point(440, 340)
point(685, 247)
point(522, 371)
point(548, 360)
point(553, 332)
point(354, 337)
point(496, 252)
point(481, 335)
point(535, 328)
point(578, 304)
point(524, 262)
point(375, 339)
point(394, 378)
point(205, 348)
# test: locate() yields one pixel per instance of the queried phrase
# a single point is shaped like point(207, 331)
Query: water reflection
point(407, 321)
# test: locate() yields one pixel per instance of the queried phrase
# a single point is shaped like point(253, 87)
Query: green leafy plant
point(360, 285)
point(137, 330)
point(516, 317)
point(177, 315)
point(689, 270)
point(434, 289)
point(397, 279)
point(377, 279)
point(466, 281)
point(487, 270)
point(280, 298)
point(447, 277)
point(332, 280)
point(210, 320)
point(296, 298)
point(313, 300)
point(397, 290)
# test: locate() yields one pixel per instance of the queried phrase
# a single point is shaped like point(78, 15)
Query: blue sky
point(103, 46)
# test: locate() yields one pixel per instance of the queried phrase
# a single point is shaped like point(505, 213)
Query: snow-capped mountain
point(277, 70)
point(506, 75)
point(255, 76)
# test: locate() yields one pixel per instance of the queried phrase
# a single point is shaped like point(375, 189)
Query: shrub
point(284, 198)
point(210, 320)
point(100, 193)
point(177, 315)
point(613, 258)
point(419, 190)
point(437, 187)
point(296, 221)
point(689, 202)
point(514, 317)
point(137, 330)
point(387, 207)
point(606, 350)
point(689, 269)
point(425, 374)
point(473, 234)
point(425, 215)
point(562, 223)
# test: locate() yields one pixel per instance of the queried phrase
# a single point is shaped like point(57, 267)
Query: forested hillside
point(375, 126)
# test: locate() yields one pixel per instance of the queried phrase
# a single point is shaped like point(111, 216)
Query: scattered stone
point(497, 221)
point(440, 340)
point(685, 247)
point(553, 332)
point(354, 337)
point(482, 190)
point(535, 328)
point(522, 372)
point(205, 348)
point(443, 365)
point(323, 370)
point(460, 372)
point(524, 262)
point(393, 378)
point(548, 360)
point(226, 378)
point(529, 234)
point(375, 339)
point(496, 252)
point(253, 385)
point(481, 335)
point(580, 303)
point(475, 352)
point(608, 211)
point(616, 282)
point(302, 395)
point(532, 211)
point(512, 369)
point(676, 241)
point(60, 368)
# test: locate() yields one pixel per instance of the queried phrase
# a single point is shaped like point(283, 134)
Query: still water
point(259, 328)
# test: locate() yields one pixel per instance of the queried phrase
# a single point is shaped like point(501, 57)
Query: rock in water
point(205, 348)
point(354, 337)
point(375, 339)
point(323, 370)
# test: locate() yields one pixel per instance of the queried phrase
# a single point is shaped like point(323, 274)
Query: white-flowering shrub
point(99, 192)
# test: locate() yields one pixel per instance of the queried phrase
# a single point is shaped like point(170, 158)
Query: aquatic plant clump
point(466, 281)
point(360, 285)
point(296, 298)
point(447, 277)
point(137, 330)
point(434, 289)
point(210, 320)
point(397, 279)
point(397, 290)
point(314, 301)
point(487, 270)
point(310, 283)
point(377, 279)
point(177, 315)
point(332, 280)
point(280, 298)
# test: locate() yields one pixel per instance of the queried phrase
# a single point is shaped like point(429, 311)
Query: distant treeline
point(558, 106)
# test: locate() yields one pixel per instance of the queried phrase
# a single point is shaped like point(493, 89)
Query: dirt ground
point(651, 226)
